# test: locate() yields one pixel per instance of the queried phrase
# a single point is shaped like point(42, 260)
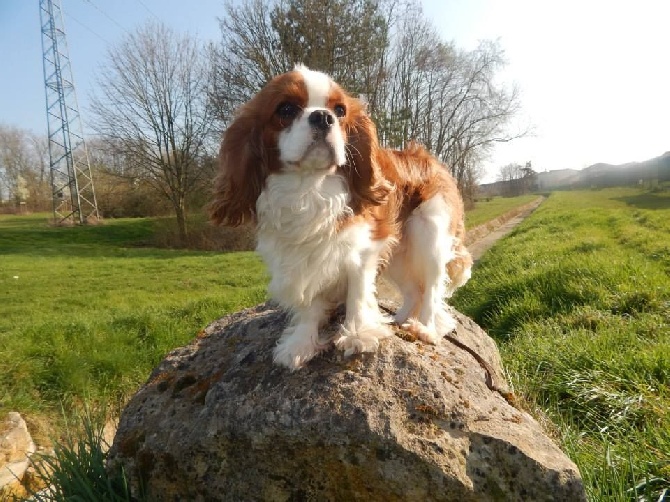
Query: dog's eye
point(340, 111)
point(287, 111)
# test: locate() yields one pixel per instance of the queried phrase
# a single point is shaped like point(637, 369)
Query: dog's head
point(300, 122)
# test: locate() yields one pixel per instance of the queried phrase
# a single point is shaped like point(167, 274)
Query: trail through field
point(485, 242)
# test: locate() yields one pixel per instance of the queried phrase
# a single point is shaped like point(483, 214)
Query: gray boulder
point(218, 421)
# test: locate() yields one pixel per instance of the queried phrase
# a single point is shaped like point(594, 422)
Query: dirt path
point(485, 242)
point(479, 240)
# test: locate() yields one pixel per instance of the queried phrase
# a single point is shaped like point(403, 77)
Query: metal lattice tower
point(71, 181)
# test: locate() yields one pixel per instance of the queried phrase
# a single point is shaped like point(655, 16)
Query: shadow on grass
point(33, 235)
point(553, 293)
point(648, 200)
point(502, 319)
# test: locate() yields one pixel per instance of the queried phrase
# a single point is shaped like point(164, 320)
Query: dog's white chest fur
point(300, 239)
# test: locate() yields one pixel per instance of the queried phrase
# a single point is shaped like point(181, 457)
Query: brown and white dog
point(302, 161)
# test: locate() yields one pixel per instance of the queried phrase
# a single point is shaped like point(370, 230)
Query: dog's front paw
point(364, 339)
point(296, 347)
point(285, 356)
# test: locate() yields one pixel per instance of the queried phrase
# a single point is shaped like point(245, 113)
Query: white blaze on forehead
point(318, 86)
point(299, 147)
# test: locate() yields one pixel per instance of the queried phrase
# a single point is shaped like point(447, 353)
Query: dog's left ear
point(366, 181)
point(242, 173)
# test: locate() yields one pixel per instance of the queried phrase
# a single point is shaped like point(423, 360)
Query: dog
point(332, 208)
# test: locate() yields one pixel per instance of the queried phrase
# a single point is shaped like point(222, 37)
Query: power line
point(70, 16)
point(106, 15)
point(148, 9)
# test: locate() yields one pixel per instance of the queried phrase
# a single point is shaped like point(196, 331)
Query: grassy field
point(578, 298)
point(86, 314)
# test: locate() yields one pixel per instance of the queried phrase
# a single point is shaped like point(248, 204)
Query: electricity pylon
point(71, 180)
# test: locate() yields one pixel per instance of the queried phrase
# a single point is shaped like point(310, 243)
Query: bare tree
point(152, 105)
point(402, 90)
point(263, 38)
point(23, 168)
point(446, 98)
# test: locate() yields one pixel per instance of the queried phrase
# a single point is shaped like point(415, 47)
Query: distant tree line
point(515, 179)
point(163, 99)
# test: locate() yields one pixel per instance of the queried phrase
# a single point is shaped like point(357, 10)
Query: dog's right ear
point(242, 172)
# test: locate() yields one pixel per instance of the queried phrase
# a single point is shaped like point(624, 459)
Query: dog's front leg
point(300, 341)
point(364, 325)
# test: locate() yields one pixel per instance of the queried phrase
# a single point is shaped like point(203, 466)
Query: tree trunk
point(180, 211)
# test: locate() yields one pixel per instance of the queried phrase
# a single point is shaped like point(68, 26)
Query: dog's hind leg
point(429, 249)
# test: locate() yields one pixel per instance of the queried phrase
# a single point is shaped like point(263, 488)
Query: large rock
point(218, 421)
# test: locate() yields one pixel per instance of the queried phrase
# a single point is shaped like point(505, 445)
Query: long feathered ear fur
point(366, 180)
point(242, 173)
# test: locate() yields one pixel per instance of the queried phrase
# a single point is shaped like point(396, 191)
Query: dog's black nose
point(321, 119)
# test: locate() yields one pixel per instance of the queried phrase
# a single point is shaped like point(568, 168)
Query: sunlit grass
point(87, 314)
point(578, 298)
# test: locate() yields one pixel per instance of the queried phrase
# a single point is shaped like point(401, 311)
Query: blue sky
point(594, 74)
point(92, 27)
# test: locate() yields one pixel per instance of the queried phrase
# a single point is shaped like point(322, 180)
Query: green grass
point(86, 314)
point(487, 210)
point(578, 298)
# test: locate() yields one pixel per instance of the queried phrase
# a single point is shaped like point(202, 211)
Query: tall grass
point(76, 470)
point(578, 298)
